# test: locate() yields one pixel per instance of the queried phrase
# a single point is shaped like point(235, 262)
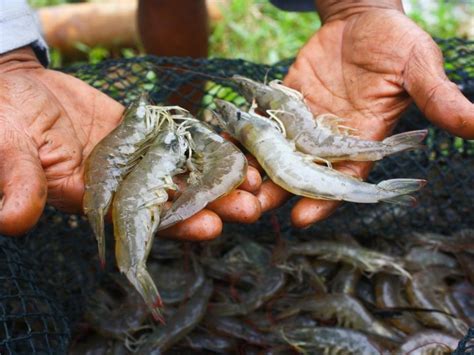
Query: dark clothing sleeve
point(295, 5)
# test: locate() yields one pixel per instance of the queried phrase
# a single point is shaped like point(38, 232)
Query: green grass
point(259, 32)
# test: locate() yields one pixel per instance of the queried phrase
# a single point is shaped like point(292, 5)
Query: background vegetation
point(257, 31)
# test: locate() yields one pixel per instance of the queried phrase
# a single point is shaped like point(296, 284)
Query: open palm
point(368, 68)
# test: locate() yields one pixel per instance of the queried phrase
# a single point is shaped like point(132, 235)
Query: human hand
point(367, 63)
point(49, 123)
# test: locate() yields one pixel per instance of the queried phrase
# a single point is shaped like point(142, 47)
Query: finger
point(231, 139)
point(252, 181)
point(438, 98)
point(204, 225)
point(23, 189)
point(308, 211)
point(254, 163)
point(237, 206)
point(271, 196)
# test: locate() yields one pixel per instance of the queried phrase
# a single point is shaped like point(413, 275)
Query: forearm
point(330, 10)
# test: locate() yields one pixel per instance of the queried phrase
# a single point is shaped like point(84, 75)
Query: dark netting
point(46, 278)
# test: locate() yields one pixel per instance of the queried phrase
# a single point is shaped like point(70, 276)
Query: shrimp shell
point(219, 167)
point(110, 161)
point(137, 207)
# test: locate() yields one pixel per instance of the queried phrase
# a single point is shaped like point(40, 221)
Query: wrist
point(21, 58)
point(330, 10)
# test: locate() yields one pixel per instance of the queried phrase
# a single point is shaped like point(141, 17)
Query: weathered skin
point(296, 172)
point(348, 311)
point(428, 290)
point(137, 207)
point(429, 342)
point(219, 168)
point(388, 293)
point(331, 340)
point(181, 323)
point(365, 259)
point(321, 136)
point(110, 161)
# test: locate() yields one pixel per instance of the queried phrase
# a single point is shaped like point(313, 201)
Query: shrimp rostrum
point(297, 173)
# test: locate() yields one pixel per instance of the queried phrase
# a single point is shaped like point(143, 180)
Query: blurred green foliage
point(257, 31)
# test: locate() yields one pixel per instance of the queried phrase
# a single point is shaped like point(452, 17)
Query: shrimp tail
point(145, 285)
point(402, 187)
point(405, 141)
point(96, 221)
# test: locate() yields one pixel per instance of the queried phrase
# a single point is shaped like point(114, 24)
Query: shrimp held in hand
point(296, 172)
point(322, 137)
point(137, 206)
point(217, 167)
point(110, 161)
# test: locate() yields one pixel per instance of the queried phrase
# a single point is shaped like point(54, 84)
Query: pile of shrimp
point(338, 295)
point(130, 173)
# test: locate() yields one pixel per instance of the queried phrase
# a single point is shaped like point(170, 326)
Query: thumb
point(439, 99)
point(23, 189)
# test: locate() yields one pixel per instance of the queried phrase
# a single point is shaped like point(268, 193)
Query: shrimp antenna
point(274, 117)
point(265, 78)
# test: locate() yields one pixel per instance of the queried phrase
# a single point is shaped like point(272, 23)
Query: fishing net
point(47, 277)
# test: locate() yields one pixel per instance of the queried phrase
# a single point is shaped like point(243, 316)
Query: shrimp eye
point(239, 116)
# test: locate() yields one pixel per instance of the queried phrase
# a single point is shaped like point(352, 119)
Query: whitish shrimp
point(217, 167)
point(322, 137)
point(137, 207)
point(296, 172)
point(110, 161)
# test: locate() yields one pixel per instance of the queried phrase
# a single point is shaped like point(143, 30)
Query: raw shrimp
point(237, 328)
point(429, 342)
point(270, 283)
point(113, 316)
point(322, 137)
point(427, 289)
point(217, 167)
point(110, 161)
point(348, 311)
point(367, 260)
point(137, 207)
point(180, 324)
point(388, 292)
point(296, 172)
point(330, 340)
